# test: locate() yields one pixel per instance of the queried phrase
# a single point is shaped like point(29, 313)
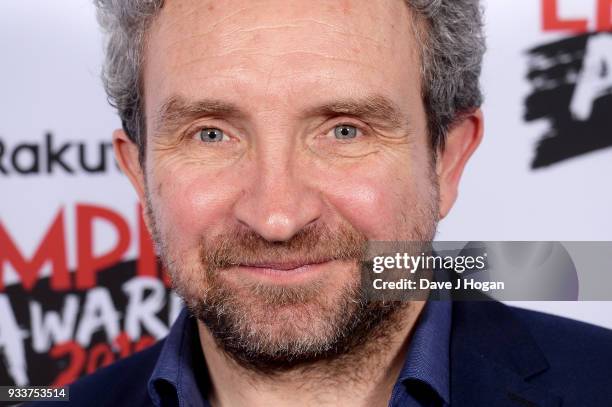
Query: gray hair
point(449, 33)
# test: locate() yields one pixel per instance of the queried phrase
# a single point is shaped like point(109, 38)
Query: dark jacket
point(500, 356)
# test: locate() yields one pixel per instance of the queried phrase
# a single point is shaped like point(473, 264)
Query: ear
point(126, 154)
point(462, 140)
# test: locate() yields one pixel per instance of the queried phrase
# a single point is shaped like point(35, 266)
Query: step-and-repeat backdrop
point(79, 283)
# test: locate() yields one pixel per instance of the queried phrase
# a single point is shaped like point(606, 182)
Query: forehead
point(279, 51)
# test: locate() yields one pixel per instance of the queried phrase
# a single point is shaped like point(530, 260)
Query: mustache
point(316, 243)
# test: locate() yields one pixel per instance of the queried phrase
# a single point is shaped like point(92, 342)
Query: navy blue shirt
point(180, 377)
point(498, 356)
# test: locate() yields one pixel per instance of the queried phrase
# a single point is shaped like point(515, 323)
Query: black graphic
point(119, 297)
point(555, 73)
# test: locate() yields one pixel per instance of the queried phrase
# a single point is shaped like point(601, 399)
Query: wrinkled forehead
point(289, 50)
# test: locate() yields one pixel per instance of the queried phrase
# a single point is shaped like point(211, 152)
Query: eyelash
point(362, 129)
point(193, 133)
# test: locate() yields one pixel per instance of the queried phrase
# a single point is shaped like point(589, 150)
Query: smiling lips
point(293, 272)
point(284, 266)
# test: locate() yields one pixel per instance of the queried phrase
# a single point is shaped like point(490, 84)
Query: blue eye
point(345, 131)
point(211, 135)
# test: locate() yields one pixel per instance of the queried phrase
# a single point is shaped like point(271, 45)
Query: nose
point(277, 201)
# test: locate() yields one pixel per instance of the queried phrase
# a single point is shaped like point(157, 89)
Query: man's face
point(281, 136)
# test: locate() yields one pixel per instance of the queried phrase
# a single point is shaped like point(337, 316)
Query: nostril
point(278, 212)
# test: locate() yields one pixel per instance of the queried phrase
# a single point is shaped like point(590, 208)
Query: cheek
point(376, 203)
point(189, 207)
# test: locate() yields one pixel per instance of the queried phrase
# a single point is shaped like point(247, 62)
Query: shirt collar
point(174, 374)
point(428, 359)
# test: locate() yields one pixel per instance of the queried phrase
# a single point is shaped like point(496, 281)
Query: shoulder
point(571, 344)
point(551, 331)
point(579, 357)
point(123, 383)
point(568, 358)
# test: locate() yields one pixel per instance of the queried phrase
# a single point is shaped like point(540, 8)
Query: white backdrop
point(501, 198)
point(51, 53)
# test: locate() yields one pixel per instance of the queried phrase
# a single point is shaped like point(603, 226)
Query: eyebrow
point(177, 110)
point(377, 108)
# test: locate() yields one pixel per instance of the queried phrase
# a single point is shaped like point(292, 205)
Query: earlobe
point(126, 154)
point(461, 142)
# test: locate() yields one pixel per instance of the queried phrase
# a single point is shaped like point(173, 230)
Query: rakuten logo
point(50, 157)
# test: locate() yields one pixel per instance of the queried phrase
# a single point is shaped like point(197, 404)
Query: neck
point(365, 377)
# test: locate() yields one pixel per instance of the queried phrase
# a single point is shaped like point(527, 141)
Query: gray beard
point(354, 324)
point(349, 327)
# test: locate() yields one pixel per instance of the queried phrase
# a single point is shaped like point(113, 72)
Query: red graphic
point(82, 361)
point(52, 248)
point(552, 22)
